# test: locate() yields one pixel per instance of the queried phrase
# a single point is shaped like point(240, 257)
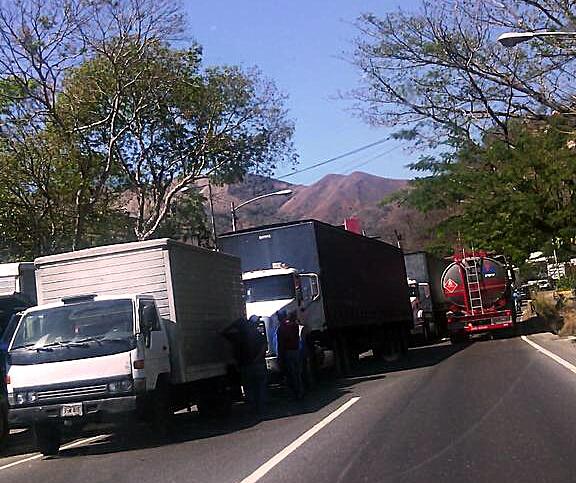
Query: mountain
point(331, 199)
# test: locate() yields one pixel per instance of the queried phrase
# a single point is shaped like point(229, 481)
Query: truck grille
point(72, 393)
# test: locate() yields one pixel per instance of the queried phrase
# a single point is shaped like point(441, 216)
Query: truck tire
point(4, 429)
point(47, 437)
point(161, 412)
point(309, 370)
point(214, 405)
point(393, 345)
point(342, 354)
point(458, 338)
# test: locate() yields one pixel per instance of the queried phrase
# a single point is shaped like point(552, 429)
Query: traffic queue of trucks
point(349, 291)
point(135, 329)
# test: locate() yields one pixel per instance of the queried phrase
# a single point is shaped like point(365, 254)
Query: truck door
point(155, 342)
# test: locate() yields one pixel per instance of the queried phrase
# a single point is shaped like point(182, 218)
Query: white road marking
point(272, 462)
point(75, 444)
point(552, 356)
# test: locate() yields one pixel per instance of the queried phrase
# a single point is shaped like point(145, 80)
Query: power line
point(331, 160)
point(371, 159)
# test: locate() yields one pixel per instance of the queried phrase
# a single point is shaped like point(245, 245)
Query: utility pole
point(233, 213)
point(212, 219)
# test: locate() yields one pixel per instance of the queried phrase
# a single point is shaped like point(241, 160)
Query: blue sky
point(300, 44)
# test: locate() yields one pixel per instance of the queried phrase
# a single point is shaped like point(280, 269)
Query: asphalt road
point(492, 411)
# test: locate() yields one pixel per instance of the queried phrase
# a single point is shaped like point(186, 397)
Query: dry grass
point(557, 310)
point(569, 319)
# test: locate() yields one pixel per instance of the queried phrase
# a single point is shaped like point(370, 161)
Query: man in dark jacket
point(249, 345)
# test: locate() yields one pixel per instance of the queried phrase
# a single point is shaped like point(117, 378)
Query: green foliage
point(512, 199)
point(188, 221)
point(103, 124)
point(172, 122)
point(436, 73)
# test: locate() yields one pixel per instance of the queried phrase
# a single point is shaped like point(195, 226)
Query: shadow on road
point(189, 426)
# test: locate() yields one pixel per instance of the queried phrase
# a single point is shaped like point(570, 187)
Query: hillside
point(330, 199)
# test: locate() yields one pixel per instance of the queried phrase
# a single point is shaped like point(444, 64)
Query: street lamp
point(234, 208)
point(510, 39)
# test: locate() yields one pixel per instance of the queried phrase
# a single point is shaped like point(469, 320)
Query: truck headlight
point(20, 398)
point(122, 385)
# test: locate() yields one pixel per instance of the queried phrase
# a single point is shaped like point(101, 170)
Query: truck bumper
point(95, 410)
point(478, 324)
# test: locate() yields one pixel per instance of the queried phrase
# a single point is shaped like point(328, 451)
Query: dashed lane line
point(75, 444)
point(272, 462)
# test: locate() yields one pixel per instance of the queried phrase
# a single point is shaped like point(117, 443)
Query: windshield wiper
point(84, 342)
point(31, 347)
point(25, 346)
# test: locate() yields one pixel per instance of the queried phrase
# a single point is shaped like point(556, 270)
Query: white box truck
point(127, 328)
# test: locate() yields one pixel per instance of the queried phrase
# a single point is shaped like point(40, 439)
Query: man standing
point(289, 352)
point(249, 344)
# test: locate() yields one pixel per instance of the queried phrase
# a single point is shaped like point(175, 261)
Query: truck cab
point(81, 359)
point(278, 288)
point(422, 310)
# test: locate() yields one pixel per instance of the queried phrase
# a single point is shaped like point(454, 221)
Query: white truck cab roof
point(269, 272)
point(82, 298)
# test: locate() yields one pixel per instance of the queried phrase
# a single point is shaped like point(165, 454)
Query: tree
point(499, 121)
point(512, 200)
point(102, 110)
point(41, 41)
point(440, 75)
point(175, 123)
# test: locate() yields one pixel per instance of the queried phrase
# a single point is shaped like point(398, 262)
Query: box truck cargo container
point(349, 291)
point(128, 328)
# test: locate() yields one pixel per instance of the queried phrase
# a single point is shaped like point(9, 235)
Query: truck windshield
point(278, 287)
point(81, 323)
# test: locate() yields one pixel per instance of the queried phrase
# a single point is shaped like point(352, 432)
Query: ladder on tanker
point(473, 283)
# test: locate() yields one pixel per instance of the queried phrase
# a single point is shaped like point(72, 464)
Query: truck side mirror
point(313, 285)
point(148, 318)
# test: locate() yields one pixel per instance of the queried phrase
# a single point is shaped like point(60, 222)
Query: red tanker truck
point(478, 289)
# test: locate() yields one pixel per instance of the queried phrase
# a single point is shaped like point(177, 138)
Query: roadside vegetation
point(108, 119)
point(495, 125)
point(556, 311)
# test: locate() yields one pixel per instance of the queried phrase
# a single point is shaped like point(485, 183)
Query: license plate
point(71, 410)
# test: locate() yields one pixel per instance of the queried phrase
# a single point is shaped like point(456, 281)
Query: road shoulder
point(564, 347)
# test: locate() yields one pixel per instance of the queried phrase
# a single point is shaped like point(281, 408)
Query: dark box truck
point(350, 291)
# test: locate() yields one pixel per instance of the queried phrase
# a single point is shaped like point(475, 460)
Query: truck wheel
point(161, 412)
point(47, 437)
point(4, 429)
point(393, 345)
point(458, 338)
point(342, 355)
point(426, 335)
point(309, 371)
point(215, 405)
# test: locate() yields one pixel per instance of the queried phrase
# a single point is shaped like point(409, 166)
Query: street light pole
point(234, 208)
point(510, 39)
point(233, 213)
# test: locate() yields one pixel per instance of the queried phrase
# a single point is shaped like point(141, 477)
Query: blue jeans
point(292, 366)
